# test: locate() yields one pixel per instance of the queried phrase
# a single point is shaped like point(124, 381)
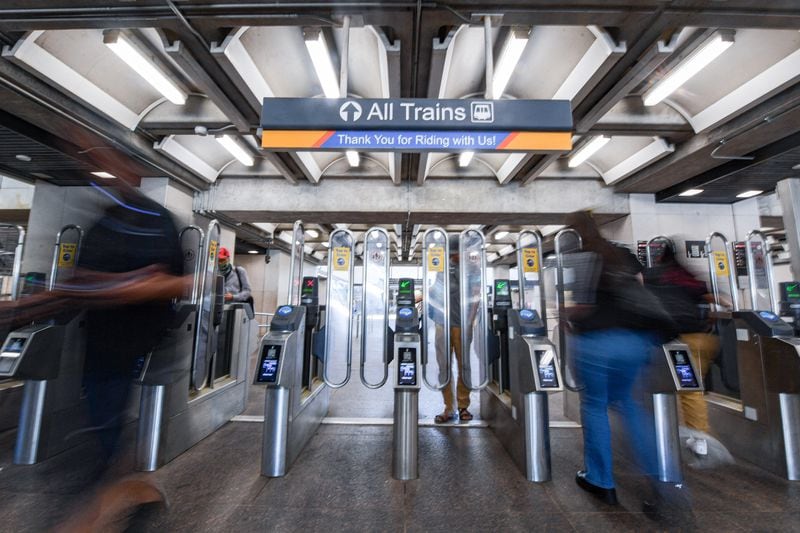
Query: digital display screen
point(790, 291)
point(546, 365)
point(502, 288)
point(406, 286)
point(268, 367)
point(407, 367)
point(683, 369)
point(309, 284)
point(14, 345)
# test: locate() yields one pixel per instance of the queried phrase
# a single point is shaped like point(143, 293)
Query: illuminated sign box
point(416, 125)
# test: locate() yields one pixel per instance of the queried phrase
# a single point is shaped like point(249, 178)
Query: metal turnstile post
point(667, 441)
point(276, 432)
point(537, 437)
point(790, 422)
point(405, 441)
point(151, 417)
point(26, 451)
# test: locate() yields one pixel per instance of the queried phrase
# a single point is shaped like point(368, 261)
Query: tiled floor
point(342, 482)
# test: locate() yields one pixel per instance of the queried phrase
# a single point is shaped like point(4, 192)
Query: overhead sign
point(416, 141)
point(416, 124)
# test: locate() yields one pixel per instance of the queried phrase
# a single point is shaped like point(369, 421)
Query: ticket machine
point(534, 371)
point(406, 357)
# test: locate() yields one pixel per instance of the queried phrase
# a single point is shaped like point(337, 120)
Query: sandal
point(464, 415)
point(444, 418)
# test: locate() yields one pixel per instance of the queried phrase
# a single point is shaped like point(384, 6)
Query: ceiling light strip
point(144, 66)
point(689, 67)
point(588, 150)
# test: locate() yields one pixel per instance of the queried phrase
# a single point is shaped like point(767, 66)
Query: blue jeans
point(608, 362)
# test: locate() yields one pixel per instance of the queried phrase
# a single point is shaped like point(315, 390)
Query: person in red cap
point(237, 286)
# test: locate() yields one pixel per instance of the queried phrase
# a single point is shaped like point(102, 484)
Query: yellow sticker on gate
point(341, 258)
point(212, 250)
point(66, 254)
point(530, 260)
point(720, 264)
point(436, 259)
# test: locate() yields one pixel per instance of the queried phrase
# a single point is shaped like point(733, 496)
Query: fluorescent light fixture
point(694, 63)
point(748, 194)
point(144, 66)
point(500, 235)
point(509, 57)
point(464, 158)
point(321, 58)
point(352, 157)
point(312, 233)
point(252, 251)
point(588, 150)
point(691, 192)
point(236, 149)
point(104, 175)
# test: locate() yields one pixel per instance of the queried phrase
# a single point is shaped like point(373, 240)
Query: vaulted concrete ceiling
point(732, 126)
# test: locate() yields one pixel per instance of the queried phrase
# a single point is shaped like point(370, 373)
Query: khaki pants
point(462, 392)
point(704, 347)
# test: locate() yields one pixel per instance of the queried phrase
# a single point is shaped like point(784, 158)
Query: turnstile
point(516, 405)
point(406, 356)
point(172, 417)
point(192, 383)
point(765, 427)
point(290, 416)
point(534, 371)
point(295, 400)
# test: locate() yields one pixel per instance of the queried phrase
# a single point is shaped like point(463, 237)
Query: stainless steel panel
point(306, 420)
point(26, 451)
point(148, 435)
point(405, 435)
point(276, 432)
point(790, 422)
point(537, 437)
point(668, 451)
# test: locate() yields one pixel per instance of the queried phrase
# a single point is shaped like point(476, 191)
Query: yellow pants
point(462, 392)
point(704, 347)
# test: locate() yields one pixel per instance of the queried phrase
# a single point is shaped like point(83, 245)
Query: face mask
point(225, 269)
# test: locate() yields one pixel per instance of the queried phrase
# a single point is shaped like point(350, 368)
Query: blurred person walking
point(612, 340)
point(686, 299)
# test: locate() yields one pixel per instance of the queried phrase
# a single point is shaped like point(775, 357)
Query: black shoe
point(608, 496)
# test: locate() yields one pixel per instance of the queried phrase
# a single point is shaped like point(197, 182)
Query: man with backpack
point(237, 286)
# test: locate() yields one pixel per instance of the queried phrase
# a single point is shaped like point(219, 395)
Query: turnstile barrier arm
point(375, 276)
point(436, 299)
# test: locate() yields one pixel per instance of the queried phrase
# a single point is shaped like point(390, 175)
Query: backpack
point(249, 298)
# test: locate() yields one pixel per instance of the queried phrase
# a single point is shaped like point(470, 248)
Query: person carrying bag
point(612, 339)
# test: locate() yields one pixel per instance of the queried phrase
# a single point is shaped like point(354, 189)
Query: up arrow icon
point(350, 111)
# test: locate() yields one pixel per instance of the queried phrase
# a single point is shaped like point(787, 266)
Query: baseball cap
point(224, 253)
